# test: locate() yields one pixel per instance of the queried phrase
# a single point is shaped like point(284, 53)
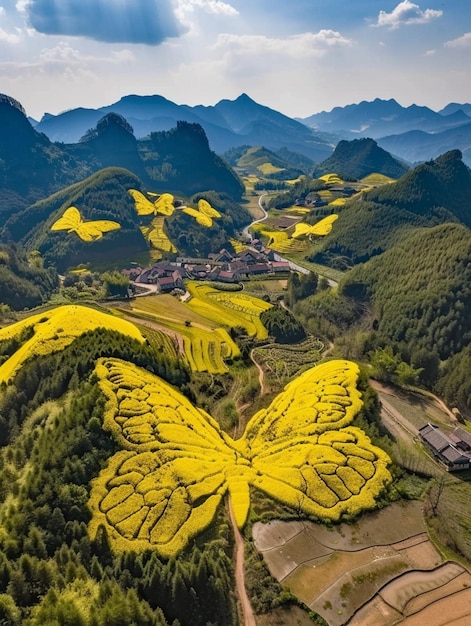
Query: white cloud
point(213, 7)
point(460, 42)
point(296, 46)
point(65, 60)
point(407, 13)
point(12, 38)
point(22, 5)
point(429, 53)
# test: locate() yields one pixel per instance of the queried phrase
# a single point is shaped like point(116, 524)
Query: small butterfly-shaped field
point(162, 205)
point(204, 214)
point(72, 222)
point(176, 464)
point(322, 228)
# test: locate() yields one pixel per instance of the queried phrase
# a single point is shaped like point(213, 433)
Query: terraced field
point(282, 362)
point(206, 345)
point(381, 570)
point(228, 308)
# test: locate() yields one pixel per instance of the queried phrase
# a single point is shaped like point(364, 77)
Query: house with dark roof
point(454, 451)
point(170, 281)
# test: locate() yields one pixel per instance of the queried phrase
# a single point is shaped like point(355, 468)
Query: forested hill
point(444, 182)
point(432, 193)
point(23, 281)
point(96, 222)
point(32, 168)
point(419, 294)
point(103, 196)
point(353, 160)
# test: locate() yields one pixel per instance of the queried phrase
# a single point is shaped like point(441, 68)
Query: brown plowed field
point(380, 571)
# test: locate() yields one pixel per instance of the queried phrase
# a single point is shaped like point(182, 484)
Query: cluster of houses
point(223, 267)
point(453, 451)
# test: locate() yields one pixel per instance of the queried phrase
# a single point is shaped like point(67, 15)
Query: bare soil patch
point(401, 591)
point(453, 610)
point(337, 570)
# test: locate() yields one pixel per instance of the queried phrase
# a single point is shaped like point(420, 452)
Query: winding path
point(247, 611)
point(261, 373)
point(246, 231)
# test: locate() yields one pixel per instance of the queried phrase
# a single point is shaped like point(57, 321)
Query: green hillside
point(102, 196)
point(23, 281)
point(353, 160)
point(102, 205)
point(420, 300)
point(418, 297)
point(432, 193)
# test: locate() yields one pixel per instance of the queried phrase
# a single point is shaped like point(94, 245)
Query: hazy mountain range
point(414, 133)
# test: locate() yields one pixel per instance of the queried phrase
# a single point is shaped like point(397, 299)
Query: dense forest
point(24, 283)
point(51, 572)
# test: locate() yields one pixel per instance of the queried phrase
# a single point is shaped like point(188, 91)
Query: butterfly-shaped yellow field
point(322, 228)
point(162, 205)
point(204, 214)
point(166, 485)
point(72, 222)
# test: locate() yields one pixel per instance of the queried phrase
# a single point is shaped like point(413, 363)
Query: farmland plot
point(228, 308)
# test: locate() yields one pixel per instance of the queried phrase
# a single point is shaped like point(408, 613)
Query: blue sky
point(298, 56)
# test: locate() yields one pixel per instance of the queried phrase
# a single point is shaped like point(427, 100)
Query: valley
point(213, 372)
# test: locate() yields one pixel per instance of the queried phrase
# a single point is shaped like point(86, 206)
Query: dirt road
point(247, 611)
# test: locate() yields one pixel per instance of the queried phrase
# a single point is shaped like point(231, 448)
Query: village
point(222, 267)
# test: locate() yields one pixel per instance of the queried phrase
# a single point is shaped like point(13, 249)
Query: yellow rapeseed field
point(163, 203)
point(228, 308)
point(56, 329)
point(72, 222)
point(176, 464)
point(321, 229)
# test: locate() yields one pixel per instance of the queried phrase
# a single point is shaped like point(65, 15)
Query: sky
point(298, 57)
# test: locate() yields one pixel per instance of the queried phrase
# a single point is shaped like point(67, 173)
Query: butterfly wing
point(164, 204)
point(205, 208)
point(324, 227)
point(201, 218)
point(167, 483)
point(304, 452)
point(91, 231)
point(70, 220)
point(301, 229)
point(142, 205)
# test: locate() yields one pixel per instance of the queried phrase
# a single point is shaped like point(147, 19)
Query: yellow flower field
point(72, 222)
point(157, 238)
point(331, 179)
point(228, 308)
point(56, 329)
point(163, 203)
point(176, 464)
point(206, 345)
point(322, 228)
point(204, 214)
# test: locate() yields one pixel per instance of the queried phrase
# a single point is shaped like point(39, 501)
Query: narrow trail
point(247, 611)
point(261, 373)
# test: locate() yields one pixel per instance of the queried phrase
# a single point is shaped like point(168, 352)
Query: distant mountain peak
point(244, 98)
point(358, 158)
point(109, 123)
point(4, 99)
